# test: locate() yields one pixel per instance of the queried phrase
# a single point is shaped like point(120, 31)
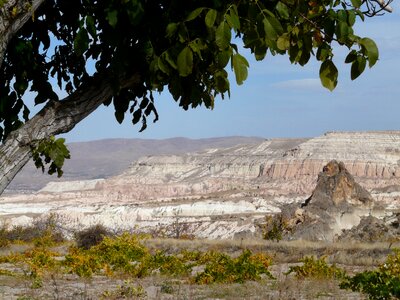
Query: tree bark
point(14, 14)
point(55, 118)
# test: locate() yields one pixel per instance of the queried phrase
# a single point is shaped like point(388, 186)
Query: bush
point(42, 232)
point(383, 283)
point(91, 236)
point(169, 264)
point(274, 228)
point(316, 268)
point(122, 253)
point(4, 241)
point(82, 262)
point(223, 269)
point(34, 262)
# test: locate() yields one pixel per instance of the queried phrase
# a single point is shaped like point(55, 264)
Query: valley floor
point(58, 285)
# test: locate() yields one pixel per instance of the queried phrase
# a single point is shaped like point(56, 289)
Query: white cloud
point(302, 84)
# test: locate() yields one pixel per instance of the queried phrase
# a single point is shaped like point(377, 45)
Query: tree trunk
point(14, 14)
point(55, 118)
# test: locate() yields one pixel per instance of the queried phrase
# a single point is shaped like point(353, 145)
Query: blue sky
point(281, 100)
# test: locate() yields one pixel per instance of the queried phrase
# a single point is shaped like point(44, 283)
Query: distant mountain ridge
point(109, 157)
point(217, 190)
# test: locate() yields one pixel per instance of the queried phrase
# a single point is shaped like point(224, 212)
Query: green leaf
point(210, 18)
point(240, 65)
point(223, 58)
point(221, 81)
point(223, 36)
point(269, 30)
point(185, 62)
point(283, 42)
point(360, 14)
point(81, 41)
point(357, 67)
point(323, 52)
point(356, 3)
point(233, 19)
point(272, 28)
point(197, 46)
point(167, 57)
point(342, 15)
point(276, 24)
point(260, 51)
point(328, 73)
point(371, 49)
point(282, 10)
point(162, 66)
point(342, 30)
point(352, 56)
point(194, 14)
point(171, 29)
point(90, 25)
point(183, 33)
point(112, 18)
point(351, 17)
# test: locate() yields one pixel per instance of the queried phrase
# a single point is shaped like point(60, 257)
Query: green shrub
point(316, 268)
point(380, 284)
point(122, 253)
point(82, 263)
point(170, 264)
point(274, 228)
point(223, 269)
point(33, 262)
point(191, 255)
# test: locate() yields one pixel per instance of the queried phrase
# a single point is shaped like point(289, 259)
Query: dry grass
point(352, 254)
point(352, 257)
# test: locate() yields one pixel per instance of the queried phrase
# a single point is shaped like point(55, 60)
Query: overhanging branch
point(13, 15)
point(55, 118)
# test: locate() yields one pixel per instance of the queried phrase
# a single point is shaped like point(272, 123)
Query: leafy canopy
point(182, 46)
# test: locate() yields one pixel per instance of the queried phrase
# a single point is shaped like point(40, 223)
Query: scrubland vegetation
point(38, 263)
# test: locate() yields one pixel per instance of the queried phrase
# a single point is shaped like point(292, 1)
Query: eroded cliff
point(254, 180)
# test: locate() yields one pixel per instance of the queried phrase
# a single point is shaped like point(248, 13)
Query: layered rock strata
point(275, 167)
point(269, 175)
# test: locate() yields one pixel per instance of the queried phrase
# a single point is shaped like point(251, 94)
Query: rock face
point(366, 155)
point(240, 184)
point(337, 203)
point(278, 167)
point(336, 187)
point(372, 229)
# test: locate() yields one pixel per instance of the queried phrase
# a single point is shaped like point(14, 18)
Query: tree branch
point(13, 15)
point(55, 118)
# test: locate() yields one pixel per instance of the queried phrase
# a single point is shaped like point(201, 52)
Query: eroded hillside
point(218, 192)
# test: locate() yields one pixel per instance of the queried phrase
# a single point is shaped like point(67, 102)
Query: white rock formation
point(70, 186)
point(218, 186)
